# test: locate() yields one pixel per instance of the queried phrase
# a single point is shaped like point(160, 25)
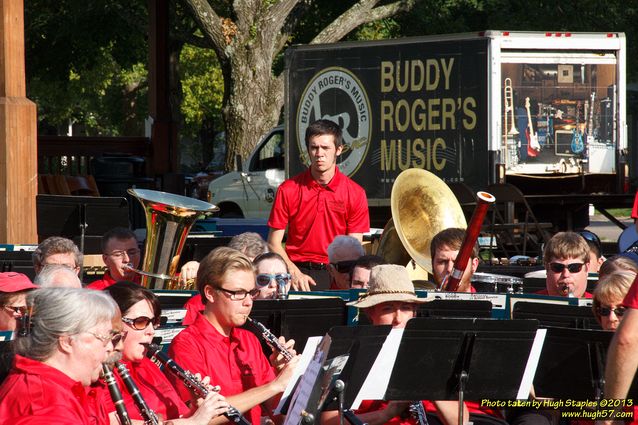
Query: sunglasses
point(559, 267)
point(264, 279)
point(114, 337)
point(606, 311)
point(142, 322)
point(344, 266)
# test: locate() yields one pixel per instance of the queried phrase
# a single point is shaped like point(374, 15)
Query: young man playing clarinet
point(215, 345)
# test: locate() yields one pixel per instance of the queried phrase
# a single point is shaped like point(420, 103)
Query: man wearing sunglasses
point(316, 206)
point(215, 345)
point(343, 253)
point(566, 259)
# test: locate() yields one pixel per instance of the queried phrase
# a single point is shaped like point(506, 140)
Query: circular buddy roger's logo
point(337, 95)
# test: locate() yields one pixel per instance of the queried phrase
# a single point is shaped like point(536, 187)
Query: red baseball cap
point(15, 282)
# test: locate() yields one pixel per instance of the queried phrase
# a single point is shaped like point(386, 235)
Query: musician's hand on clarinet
point(209, 408)
point(281, 380)
point(277, 360)
point(188, 273)
point(300, 281)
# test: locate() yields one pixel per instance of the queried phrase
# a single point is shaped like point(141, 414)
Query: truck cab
point(250, 191)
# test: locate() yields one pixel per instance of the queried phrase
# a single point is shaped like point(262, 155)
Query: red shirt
point(544, 292)
point(158, 393)
point(631, 299)
point(194, 306)
point(376, 405)
point(107, 281)
point(634, 211)
point(236, 363)
point(315, 214)
point(34, 391)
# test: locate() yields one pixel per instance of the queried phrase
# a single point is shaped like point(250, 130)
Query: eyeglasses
point(264, 279)
point(68, 266)
point(114, 337)
point(129, 253)
point(140, 323)
point(239, 295)
point(606, 311)
point(344, 266)
point(15, 309)
point(559, 267)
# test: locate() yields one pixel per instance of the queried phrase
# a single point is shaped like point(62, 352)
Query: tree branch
point(210, 23)
point(361, 13)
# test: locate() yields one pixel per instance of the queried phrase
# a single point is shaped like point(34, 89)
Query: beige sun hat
point(389, 282)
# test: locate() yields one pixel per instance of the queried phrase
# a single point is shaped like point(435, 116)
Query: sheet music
point(378, 378)
point(304, 389)
point(532, 364)
point(306, 357)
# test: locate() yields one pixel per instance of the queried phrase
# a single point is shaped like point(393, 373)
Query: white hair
point(343, 242)
point(57, 276)
point(61, 311)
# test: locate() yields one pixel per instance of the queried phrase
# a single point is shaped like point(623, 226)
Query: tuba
point(169, 218)
point(422, 205)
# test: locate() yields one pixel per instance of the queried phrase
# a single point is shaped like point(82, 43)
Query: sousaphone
point(422, 205)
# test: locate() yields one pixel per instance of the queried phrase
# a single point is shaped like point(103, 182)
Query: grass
point(618, 212)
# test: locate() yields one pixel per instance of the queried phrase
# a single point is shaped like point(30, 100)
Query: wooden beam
point(18, 133)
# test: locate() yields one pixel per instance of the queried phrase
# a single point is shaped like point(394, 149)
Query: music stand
point(455, 359)
point(557, 315)
point(578, 356)
point(80, 217)
point(456, 308)
point(299, 319)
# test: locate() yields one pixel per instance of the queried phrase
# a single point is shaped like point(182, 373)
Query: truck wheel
point(230, 211)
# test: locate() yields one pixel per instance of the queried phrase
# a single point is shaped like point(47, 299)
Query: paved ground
point(605, 229)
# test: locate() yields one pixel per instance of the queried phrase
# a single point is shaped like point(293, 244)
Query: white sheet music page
point(306, 356)
point(532, 364)
point(378, 378)
point(303, 391)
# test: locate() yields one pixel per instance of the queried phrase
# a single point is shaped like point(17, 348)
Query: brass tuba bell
point(169, 218)
point(422, 205)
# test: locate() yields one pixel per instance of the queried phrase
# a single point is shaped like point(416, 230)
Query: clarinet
point(271, 339)
point(150, 418)
point(116, 395)
point(154, 352)
point(418, 412)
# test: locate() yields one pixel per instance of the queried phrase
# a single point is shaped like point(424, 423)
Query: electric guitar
point(590, 124)
point(577, 136)
point(533, 147)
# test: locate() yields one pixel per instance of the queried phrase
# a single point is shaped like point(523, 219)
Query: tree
point(248, 38)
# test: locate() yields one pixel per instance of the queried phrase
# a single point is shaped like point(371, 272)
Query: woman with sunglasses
point(140, 317)
point(14, 288)
point(272, 273)
point(608, 297)
point(59, 349)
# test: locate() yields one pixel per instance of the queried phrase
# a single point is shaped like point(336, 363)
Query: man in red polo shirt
point(316, 206)
point(119, 248)
point(566, 258)
point(215, 345)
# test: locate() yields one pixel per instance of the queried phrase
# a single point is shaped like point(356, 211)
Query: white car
point(250, 192)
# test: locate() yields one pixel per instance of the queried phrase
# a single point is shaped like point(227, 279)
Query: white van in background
point(250, 191)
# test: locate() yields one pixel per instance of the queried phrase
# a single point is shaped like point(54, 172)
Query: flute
point(271, 339)
point(116, 394)
point(154, 352)
point(150, 418)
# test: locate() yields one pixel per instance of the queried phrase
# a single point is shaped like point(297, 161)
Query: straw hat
point(389, 282)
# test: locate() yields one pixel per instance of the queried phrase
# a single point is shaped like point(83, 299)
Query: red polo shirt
point(107, 281)
point(315, 214)
point(631, 299)
point(158, 393)
point(236, 363)
point(36, 392)
point(194, 306)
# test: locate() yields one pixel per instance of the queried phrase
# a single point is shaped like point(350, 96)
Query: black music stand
point(456, 308)
point(578, 356)
point(558, 315)
point(80, 218)
point(299, 319)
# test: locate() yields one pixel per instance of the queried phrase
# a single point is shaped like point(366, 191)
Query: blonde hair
point(216, 264)
point(566, 245)
point(611, 288)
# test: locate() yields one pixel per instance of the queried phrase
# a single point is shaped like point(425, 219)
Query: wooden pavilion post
point(18, 133)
